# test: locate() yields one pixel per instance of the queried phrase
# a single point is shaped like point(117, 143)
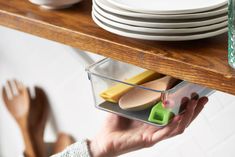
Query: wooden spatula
point(16, 98)
point(39, 111)
point(139, 99)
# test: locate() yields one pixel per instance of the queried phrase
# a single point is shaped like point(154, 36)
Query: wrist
point(96, 150)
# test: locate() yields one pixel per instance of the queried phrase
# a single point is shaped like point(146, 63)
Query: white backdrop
point(57, 69)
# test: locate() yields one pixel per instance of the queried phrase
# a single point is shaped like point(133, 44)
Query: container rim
point(102, 61)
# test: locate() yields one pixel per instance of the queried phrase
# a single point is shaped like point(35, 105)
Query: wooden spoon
point(38, 115)
point(63, 141)
point(16, 99)
point(139, 99)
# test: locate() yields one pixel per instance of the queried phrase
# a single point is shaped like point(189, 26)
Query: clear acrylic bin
point(109, 73)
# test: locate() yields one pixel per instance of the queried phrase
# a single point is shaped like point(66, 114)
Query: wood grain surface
point(201, 61)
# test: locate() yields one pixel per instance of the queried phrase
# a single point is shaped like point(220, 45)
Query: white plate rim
point(55, 3)
point(155, 37)
point(184, 11)
point(160, 30)
point(104, 4)
point(160, 24)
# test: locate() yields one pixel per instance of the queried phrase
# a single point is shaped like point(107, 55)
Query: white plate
point(168, 6)
point(144, 36)
point(156, 23)
point(55, 4)
point(157, 30)
point(104, 4)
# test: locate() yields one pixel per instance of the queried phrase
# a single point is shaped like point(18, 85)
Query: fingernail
point(194, 96)
point(205, 99)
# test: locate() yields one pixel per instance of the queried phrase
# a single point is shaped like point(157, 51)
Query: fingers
point(183, 105)
point(201, 103)
point(194, 107)
point(180, 122)
point(178, 125)
point(186, 118)
point(164, 132)
point(194, 96)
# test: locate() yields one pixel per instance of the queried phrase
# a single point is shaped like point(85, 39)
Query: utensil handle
point(27, 140)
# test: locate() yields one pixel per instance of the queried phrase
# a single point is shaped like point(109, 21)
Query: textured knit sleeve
point(78, 149)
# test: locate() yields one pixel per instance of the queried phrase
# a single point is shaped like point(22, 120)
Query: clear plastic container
point(108, 73)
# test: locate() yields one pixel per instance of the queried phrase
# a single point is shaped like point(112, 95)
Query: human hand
point(121, 135)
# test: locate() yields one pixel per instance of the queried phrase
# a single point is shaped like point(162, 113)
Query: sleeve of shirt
point(78, 149)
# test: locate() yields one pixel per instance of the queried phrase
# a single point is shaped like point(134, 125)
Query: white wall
point(57, 69)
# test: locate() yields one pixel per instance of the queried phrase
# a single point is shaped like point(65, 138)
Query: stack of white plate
point(167, 20)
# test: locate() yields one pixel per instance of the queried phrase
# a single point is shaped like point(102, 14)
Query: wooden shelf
point(202, 61)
